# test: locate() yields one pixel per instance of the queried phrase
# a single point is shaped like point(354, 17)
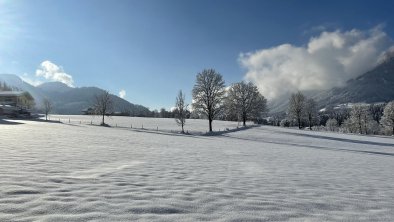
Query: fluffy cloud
point(53, 72)
point(327, 61)
point(122, 93)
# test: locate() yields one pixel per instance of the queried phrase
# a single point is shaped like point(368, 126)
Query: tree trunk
point(244, 119)
point(310, 123)
point(46, 116)
point(299, 123)
point(182, 129)
point(210, 120)
point(360, 128)
point(102, 123)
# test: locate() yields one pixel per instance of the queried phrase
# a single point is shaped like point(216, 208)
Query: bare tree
point(360, 119)
point(388, 116)
point(311, 112)
point(103, 105)
point(180, 110)
point(47, 108)
point(356, 117)
point(208, 94)
point(246, 100)
point(332, 124)
point(297, 107)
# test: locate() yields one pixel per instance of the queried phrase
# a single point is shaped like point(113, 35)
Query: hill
point(68, 100)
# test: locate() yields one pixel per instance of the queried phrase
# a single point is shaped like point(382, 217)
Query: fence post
point(131, 125)
point(157, 129)
point(68, 120)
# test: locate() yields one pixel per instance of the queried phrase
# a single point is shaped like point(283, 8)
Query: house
point(88, 111)
point(12, 98)
point(12, 102)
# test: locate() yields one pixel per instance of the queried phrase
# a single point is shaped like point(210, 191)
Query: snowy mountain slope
point(92, 173)
point(69, 100)
point(374, 86)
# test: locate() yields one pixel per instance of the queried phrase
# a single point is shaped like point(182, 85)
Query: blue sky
point(152, 49)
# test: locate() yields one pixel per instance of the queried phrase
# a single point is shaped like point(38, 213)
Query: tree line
point(359, 118)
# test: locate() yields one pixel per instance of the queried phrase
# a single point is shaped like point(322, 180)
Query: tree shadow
point(341, 139)
point(218, 133)
point(43, 120)
point(314, 147)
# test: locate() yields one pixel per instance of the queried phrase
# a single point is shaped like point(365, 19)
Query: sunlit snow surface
point(64, 172)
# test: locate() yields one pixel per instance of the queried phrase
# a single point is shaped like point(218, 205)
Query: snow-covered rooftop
point(11, 93)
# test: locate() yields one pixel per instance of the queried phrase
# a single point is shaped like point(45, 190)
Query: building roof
point(11, 93)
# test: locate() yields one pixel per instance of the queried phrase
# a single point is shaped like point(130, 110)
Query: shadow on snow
point(314, 147)
point(338, 139)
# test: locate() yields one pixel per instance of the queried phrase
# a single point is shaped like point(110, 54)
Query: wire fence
point(138, 126)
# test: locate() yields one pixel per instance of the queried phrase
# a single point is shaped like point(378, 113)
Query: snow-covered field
point(161, 124)
point(79, 172)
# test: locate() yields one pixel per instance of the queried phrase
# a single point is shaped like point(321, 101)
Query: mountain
point(374, 86)
point(68, 100)
point(54, 87)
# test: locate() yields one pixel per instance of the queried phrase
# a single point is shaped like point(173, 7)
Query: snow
point(162, 124)
point(80, 172)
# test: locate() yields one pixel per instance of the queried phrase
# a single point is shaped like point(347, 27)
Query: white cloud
point(327, 61)
point(53, 72)
point(122, 93)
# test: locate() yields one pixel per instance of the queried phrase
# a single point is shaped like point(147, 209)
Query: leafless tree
point(360, 119)
point(311, 112)
point(246, 100)
point(297, 107)
point(180, 110)
point(356, 117)
point(332, 124)
point(103, 105)
point(208, 93)
point(47, 107)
